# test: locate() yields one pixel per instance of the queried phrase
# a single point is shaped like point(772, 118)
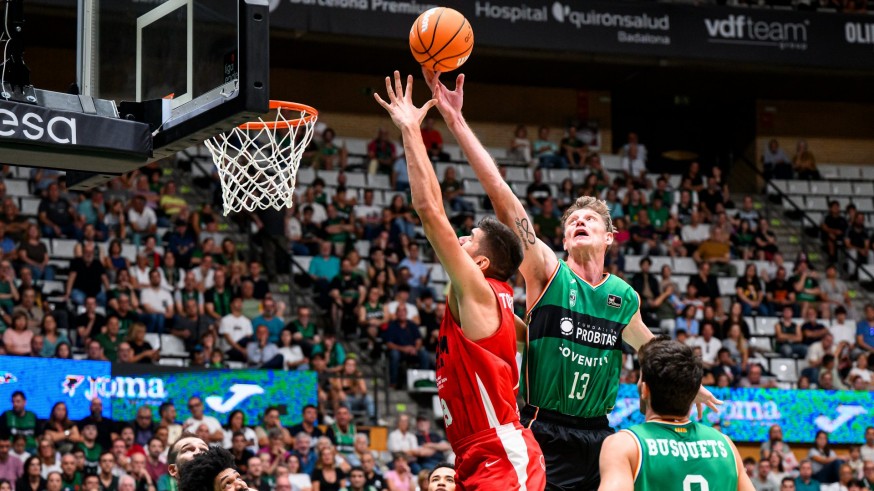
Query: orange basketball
point(441, 39)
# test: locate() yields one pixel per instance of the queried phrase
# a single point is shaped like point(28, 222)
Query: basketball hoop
point(257, 162)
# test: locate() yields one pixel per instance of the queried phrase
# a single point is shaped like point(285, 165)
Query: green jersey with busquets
point(574, 351)
point(683, 457)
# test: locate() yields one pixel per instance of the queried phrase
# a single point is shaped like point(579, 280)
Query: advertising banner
point(636, 29)
point(748, 413)
point(124, 388)
point(222, 391)
point(46, 382)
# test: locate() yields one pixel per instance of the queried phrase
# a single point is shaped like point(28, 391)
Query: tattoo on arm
point(525, 232)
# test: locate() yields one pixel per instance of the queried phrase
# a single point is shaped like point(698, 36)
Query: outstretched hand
point(705, 398)
point(400, 107)
point(449, 102)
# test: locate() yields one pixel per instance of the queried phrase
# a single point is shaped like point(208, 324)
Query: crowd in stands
point(377, 292)
point(99, 454)
point(823, 469)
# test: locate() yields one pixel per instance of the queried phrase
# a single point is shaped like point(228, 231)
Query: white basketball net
point(258, 167)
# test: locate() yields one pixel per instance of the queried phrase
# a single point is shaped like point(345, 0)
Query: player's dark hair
point(673, 375)
point(358, 468)
point(18, 393)
point(199, 473)
point(502, 247)
point(446, 465)
point(174, 448)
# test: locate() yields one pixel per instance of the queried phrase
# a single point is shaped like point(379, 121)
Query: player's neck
point(652, 417)
point(587, 265)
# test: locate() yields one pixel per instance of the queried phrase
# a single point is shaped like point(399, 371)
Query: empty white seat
point(842, 188)
point(379, 181)
point(304, 262)
point(17, 187)
point(784, 369)
point(329, 176)
point(154, 339)
point(798, 187)
point(63, 248)
point(819, 203)
point(611, 162)
point(682, 282)
point(453, 150)
point(849, 172)
point(556, 175)
point(29, 206)
point(518, 174)
point(761, 344)
point(53, 287)
point(764, 326)
point(658, 262)
point(685, 265)
point(820, 187)
point(632, 263)
point(863, 203)
point(827, 171)
point(474, 187)
point(356, 146)
point(727, 286)
point(867, 172)
point(172, 362)
point(356, 180)
point(863, 189)
point(172, 346)
point(306, 175)
point(782, 185)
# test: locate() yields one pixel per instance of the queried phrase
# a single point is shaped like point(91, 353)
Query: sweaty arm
point(475, 299)
point(619, 458)
point(539, 261)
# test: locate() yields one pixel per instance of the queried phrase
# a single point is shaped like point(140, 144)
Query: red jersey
point(477, 381)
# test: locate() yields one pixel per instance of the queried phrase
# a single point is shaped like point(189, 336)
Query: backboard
point(208, 58)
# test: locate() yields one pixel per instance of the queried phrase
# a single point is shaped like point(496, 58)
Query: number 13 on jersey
point(583, 382)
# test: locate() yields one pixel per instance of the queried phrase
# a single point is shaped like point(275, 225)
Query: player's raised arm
point(476, 297)
point(539, 261)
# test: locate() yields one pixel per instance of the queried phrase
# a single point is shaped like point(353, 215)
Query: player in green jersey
point(669, 452)
point(578, 316)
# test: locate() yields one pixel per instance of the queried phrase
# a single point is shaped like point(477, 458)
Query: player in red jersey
point(477, 375)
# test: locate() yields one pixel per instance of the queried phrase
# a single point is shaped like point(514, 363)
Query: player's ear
point(172, 470)
point(483, 263)
point(608, 239)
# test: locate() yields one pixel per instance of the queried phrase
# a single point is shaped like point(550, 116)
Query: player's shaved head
point(672, 374)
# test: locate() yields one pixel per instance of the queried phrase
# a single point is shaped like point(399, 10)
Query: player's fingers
point(408, 93)
point(714, 404)
point(380, 101)
point(700, 408)
point(428, 105)
point(459, 84)
point(389, 89)
point(399, 86)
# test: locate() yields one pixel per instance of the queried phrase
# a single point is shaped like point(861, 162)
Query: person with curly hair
point(212, 470)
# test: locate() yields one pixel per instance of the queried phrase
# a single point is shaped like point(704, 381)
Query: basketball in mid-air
point(441, 39)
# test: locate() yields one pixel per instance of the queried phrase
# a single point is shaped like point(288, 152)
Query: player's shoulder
point(623, 443)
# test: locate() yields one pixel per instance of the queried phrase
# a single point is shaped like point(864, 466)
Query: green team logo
point(573, 298)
